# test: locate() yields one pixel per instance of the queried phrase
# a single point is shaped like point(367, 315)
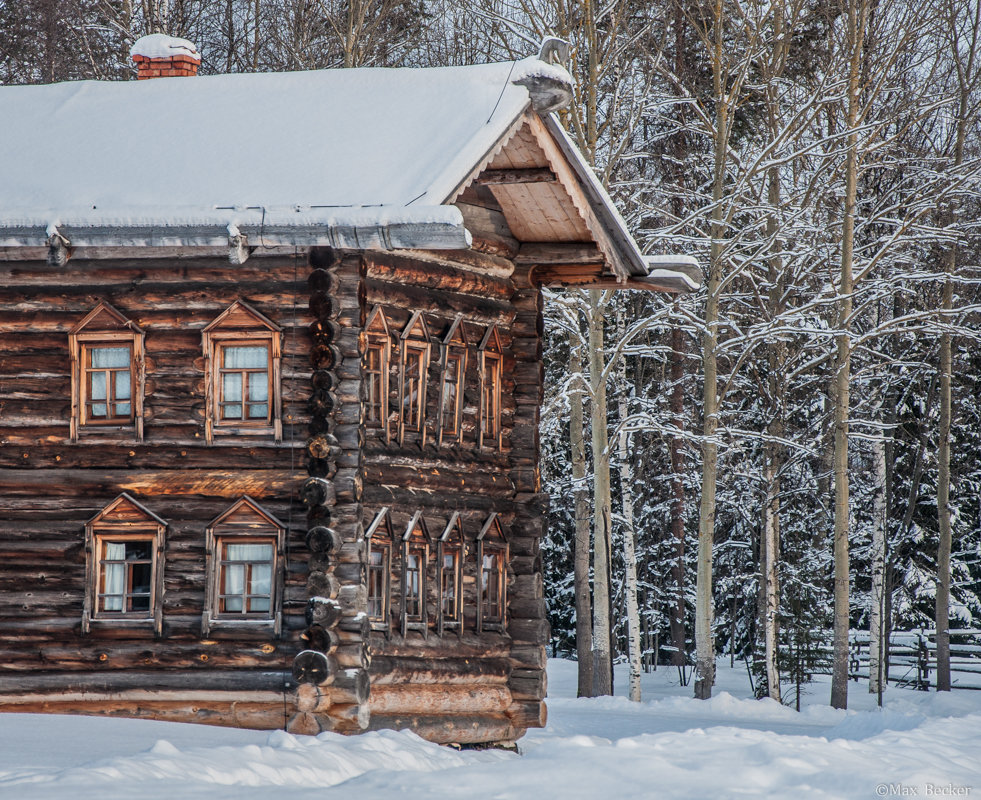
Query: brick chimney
point(160, 56)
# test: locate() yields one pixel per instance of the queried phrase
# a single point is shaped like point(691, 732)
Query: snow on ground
point(669, 746)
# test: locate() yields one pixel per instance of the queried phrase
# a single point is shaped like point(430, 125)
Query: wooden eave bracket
point(59, 249)
point(238, 248)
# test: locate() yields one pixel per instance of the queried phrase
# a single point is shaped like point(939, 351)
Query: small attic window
point(107, 373)
point(492, 561)
point(415, 566)
point(379, 537)
point(376, 366)
point(242, 365)
point(413, 378)
point(491, 355)
point(452, 383)
point(449, 562)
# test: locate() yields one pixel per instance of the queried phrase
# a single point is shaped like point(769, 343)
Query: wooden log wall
point(463, 686)
point(50, 486)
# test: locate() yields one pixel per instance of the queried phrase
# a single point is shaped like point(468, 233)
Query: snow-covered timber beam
point(394, 236)
point(583, 265)
point(500, 177)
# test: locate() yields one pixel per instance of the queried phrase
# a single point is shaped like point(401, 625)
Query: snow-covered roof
point(398, 140)
point(360, 158)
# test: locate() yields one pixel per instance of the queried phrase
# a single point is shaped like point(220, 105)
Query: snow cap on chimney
point(161, 56)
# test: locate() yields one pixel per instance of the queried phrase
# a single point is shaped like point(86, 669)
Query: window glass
point(244, 382)
point(246, 577)
point(127, 576)
point(107, 383)
point(449, 588)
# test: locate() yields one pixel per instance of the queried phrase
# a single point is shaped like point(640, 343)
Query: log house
point(269, 401)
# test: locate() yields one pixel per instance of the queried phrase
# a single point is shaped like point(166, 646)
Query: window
point(492, 560)
point(125, 575)
point(243, 383)
point(245, 576)
point(413, 379)
point(242, 362)
point(491, 360)
point(379, 537)
point(449, 559)
point(107, 373)
point(451, 386)
point(415, 565)
point(124, 581)
point(377, 362)
point(245, 556)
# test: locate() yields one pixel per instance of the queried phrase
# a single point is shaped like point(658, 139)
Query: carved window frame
point(416, 349)
point(240, 325)
point(121, 521)
point(105, 327)
point(451, 545)
point(492, 542)
point(380, 538)
point(244, 522)
point(416, 543)
point(455, 351)
point(491, 364)
point(377, 346)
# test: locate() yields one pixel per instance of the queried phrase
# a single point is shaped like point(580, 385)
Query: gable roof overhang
point(156, 164)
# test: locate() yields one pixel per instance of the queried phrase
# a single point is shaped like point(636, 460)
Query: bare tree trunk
point(877, 628)
point(857, 13)
point(584, 622)
point(967, 76)
point(602, 628)
point(704, 642)
point(678, 639)
point(629, 551)
point(771, 549)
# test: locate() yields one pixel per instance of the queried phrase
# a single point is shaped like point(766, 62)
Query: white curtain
point(115, 577)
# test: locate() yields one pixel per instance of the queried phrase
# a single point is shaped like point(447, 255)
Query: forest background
point(794, 451)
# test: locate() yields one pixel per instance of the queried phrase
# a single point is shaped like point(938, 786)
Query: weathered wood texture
point(461, 686)
point(50, 486)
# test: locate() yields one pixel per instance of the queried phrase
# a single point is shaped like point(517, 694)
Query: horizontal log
point(350, 686)
point(526, 714)
point(530, 631)
point(312, 699)
point(348, 718)
point(504, 177)
point(438, 671)
point(257, 714)
point(528, 684)
point(124, 680)
point(464, 699)
point(257, 483)
point(529, 656)
point(450, 728)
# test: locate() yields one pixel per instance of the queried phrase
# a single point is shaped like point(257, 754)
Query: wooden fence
point(913, 658)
